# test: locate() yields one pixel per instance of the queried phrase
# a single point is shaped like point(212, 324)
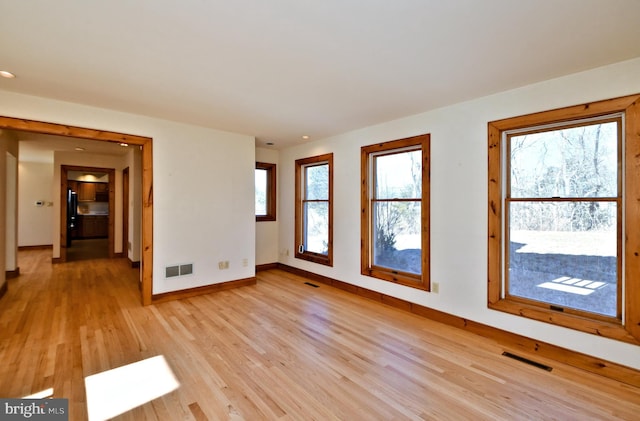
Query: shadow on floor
point(85, 249)
point(530, 275)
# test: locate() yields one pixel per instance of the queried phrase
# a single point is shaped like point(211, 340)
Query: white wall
point(203, 188)
point(458, 201)
point(8, 180)
point(11, 202)
point(35, 224)
point(267, 231)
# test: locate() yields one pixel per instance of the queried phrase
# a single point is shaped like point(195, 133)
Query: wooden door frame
point(64, 183)
point(146, 260)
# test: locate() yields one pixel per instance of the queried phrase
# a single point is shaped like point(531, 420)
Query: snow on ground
point(589, 243)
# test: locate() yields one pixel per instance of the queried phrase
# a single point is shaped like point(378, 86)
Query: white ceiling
point(281, 69)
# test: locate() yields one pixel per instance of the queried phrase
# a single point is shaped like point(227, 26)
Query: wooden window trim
point(271, 191)
point(367, 268)
point(305, 254)
point(628, 330)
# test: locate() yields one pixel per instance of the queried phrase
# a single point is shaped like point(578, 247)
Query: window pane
point(565, 253)
point(399, 175)
point(396, 233)
point(261, 192)
point(575, 162)
point(316, 235)
point(317, 182)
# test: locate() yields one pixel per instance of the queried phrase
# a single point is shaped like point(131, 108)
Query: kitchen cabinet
point(93, 226)
point(102, 192)
point(93, 192)
point(87, 192)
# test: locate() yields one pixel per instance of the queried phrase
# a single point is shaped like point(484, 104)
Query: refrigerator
point(72, 215)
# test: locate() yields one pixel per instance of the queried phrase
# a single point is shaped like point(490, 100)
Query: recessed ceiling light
point(79, 149)
point(124, 144)
point(7, 74)
point(305, 137)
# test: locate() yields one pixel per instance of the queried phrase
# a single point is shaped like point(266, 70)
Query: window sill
point(611, 330)
point(315, 258)
point(402, 278)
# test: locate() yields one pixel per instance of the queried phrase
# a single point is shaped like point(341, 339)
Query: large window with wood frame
point(560, 200)
point(395, 211)
point(265, 185)
point(314, 209)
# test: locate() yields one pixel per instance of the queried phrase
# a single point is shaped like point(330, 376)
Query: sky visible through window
point(261, 191)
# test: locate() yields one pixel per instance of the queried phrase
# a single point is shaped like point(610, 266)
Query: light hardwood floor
point(278, 350)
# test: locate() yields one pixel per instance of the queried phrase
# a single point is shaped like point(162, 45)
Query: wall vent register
point(181, 270)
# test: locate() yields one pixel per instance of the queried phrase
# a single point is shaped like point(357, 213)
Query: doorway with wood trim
point(145, 143)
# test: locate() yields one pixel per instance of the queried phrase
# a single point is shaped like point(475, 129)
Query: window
point(314, 209)
point(395, 211)
point(563, 194)
point(265, 175)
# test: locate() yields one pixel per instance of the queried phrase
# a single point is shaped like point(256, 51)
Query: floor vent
point(311, 285)
point(527, 361)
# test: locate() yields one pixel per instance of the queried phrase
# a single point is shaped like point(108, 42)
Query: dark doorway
point(93, 233)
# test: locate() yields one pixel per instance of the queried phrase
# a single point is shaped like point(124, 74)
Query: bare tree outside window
point(314, 192)
point(316, 209)
point(395, 211)
point(563, 205)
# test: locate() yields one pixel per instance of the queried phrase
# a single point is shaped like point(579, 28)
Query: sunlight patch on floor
point(47, 393)
point(121, 389)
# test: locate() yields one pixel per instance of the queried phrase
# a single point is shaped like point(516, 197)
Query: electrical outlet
point(226, 264)
point(435, 287)
point(245, 262)
point(220, 265)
